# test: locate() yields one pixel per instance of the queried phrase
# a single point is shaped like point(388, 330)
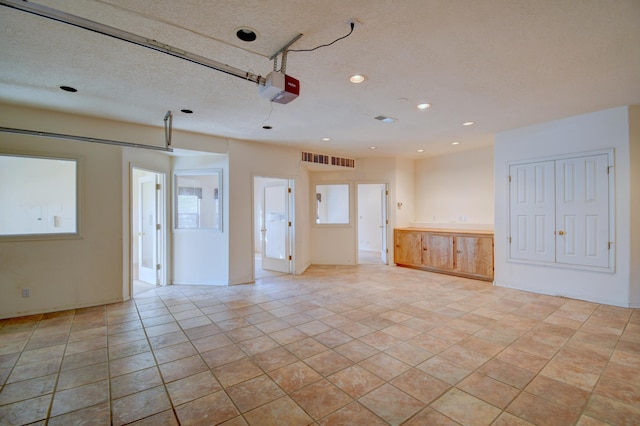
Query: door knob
point(560, 232)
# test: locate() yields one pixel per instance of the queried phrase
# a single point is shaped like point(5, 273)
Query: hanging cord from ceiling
point(353, 25)
point(284, 50)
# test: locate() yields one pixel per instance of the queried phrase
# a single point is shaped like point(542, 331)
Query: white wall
point(201, 256)
point(456, 189)
point(302, 226)
point(246, 160)
point(589, 132)
point(634, 160)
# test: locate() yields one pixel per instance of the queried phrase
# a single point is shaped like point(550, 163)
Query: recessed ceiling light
point(455, 143)
point(357, 78)
point(402, 99)
point(69, 89)
point(326, 139)
point(246, 34)
point(423, 106)
point(468, 123)
point(373, 147)
point(386, 119)
point(421, 150)
point(267, 127)
point(187, 111)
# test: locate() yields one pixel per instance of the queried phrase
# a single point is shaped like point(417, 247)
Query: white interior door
point(147, 229)
point(532, 211)
point(372, 223)
point(582, 209)
point(275, 227)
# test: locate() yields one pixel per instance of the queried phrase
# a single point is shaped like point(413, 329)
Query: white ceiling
point(501, 63)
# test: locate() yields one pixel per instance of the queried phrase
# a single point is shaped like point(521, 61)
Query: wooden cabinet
point(457, 252)
point(474, 255)
point(408, 248)
point(437, 251)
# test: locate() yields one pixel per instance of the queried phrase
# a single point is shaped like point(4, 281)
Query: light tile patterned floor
point(361, 345)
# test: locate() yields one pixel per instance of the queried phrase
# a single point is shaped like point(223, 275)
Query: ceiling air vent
point(386, 119)
point(310, 157)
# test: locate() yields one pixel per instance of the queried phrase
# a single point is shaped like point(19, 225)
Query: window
point(332, 204)
point(197, 199)
point(38, 196)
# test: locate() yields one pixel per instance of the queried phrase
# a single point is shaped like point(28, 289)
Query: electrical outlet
point(26, 292)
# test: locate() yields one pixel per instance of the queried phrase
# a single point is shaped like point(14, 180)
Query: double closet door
point(560, 211)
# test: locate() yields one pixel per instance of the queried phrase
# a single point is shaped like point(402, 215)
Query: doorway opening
point(272, 224)
point(372, 223)
point(148, 230)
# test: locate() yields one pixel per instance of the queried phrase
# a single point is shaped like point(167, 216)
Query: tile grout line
point(611, 354)
point(155, 359)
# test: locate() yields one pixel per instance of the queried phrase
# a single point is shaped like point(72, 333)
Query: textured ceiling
point(501, 63)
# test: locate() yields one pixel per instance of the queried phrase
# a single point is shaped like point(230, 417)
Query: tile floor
point(363, 345)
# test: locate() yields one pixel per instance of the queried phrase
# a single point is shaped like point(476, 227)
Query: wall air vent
point(310, 157)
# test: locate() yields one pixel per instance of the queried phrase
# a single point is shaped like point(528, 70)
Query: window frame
point(350, 207)
point(79, 199)
point(198, 172)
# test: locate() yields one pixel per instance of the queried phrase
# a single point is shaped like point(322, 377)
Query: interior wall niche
point(198, 200)
point(39, 197)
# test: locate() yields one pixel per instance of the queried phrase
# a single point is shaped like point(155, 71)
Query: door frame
point(161, 238)
point(150, 272)
point(290, 218)
point(611, 173)
point(384, 236)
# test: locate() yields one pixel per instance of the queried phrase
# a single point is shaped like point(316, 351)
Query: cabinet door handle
point(459, 251)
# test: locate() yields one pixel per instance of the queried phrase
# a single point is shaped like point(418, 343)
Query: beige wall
point(95, 268)
point(69, 273)
point(337, 244)
point(403, 191)
point(455, 189)
point(246, 160)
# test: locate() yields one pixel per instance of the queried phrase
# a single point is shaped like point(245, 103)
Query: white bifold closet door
point(559, 211)
point(582, 211)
